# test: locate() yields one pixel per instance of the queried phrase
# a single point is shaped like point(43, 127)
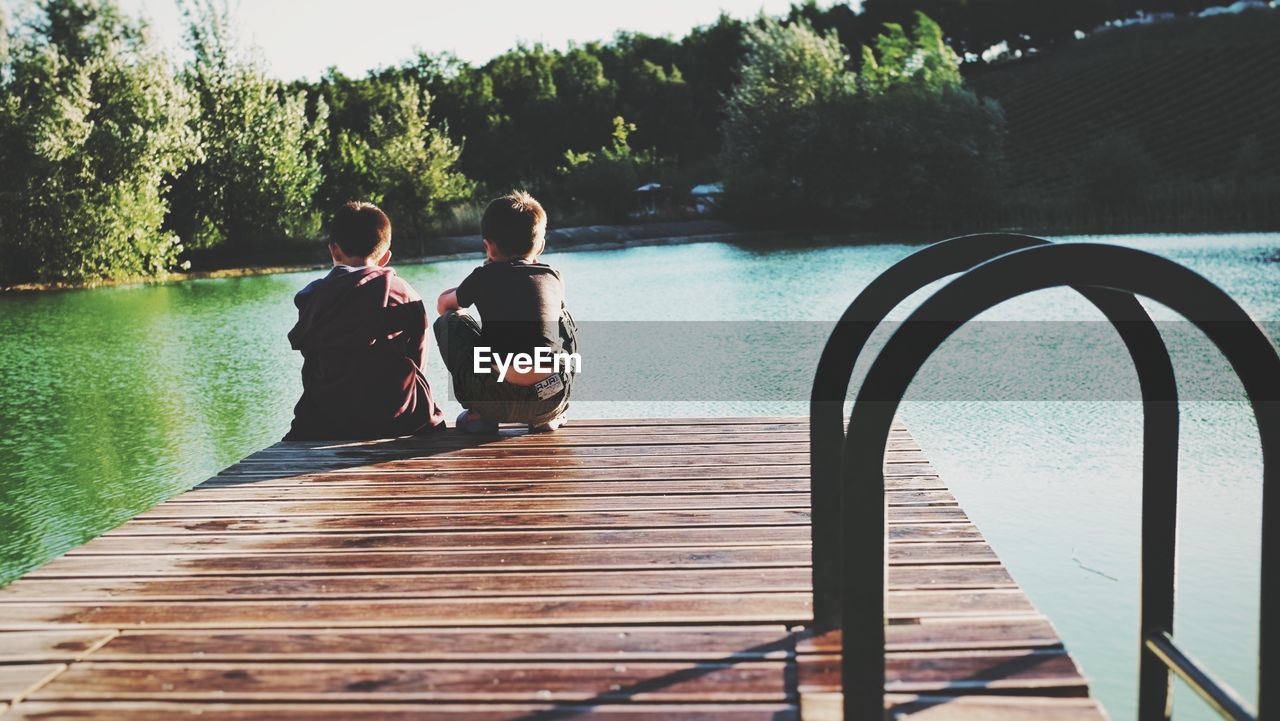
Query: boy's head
point(360, 232)
point(514, 226)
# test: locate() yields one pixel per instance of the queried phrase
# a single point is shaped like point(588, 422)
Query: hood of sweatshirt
point(343, 310)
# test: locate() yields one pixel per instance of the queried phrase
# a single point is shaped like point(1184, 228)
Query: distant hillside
point(1194, 101)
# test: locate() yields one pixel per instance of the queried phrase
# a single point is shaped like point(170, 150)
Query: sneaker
point(549, 426)
point(468, 423)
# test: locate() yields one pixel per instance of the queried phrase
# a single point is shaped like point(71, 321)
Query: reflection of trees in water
point(113, 400)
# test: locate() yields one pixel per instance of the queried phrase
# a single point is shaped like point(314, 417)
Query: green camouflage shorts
point(457, 335)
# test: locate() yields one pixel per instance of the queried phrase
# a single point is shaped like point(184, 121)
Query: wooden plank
point(1000, 603)
point(1048, 671)
point(42, 646)
point(704, 643)
point(949, 577)
point(215, 509)
point(696, 420)
point(715, 442)
point(505, 489)
point(817, 706)
point(572, 429)
point(640, 459)
point(712, 434)
point(297, 477)
point(423, 681)
point(642, 466)
point(468, 584)
point(504, 560)
point(453, 585)
point(578, 461)
point(949, 634)
point(789, 608)
point(444, 491)
point(503, 452)
point(735, 441)
point(542, 521)
point(992, 708)
point(377, 481)
point(209, 711)
point(555, 447)
point(17, 681)
point(559, 446)
point(258, 543)
point(620, 642)
point(425, 563)
point(475, 522)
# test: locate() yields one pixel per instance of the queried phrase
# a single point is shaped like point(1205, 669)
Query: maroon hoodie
point(363, 337)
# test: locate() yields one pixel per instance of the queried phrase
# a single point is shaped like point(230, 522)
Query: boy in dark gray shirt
point(518, 366)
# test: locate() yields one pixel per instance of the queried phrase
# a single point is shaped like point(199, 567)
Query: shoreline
point(457, 247)
point(580, 239)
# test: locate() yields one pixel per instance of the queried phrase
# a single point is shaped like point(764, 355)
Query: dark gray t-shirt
point(520, 304)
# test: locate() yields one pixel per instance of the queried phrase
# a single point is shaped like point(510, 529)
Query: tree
point(903, 143)
point(921, 60)
point(789, 78)
point(92, 122)
point(255, 184)
point(402, 162)
point(463, 95)
point(930, 150)
point(605, 180)
point(928, 157)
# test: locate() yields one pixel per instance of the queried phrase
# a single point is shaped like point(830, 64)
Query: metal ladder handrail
point(831, 384)
point(1246, 348)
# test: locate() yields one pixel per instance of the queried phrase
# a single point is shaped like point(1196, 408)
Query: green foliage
point(922, 59)
point(903, 143)
point(929, 157)
point(400, 161)
point(255, 183)
point(92, 122)
point(605, 180)
point(778, 116)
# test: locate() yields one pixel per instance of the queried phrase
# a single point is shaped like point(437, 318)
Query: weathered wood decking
point(626, 569)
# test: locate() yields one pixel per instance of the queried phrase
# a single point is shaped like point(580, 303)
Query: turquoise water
point(114, 399)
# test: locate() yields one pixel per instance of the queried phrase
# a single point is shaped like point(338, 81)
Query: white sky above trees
point(301, 38)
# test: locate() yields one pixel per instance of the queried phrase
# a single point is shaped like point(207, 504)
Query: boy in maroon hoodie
point(362, 333)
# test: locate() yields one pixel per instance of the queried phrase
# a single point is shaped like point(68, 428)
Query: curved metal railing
point(852, 493)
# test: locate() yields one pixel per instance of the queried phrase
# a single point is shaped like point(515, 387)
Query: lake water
point(114, 399)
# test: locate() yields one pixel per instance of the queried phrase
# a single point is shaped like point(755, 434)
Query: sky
point(301, 38)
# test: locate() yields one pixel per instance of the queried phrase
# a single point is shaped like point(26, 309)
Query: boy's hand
point(448, 302)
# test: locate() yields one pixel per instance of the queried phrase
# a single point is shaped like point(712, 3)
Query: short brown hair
point(362, 230)
point(516, 223)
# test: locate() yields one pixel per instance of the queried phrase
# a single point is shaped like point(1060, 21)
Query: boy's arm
point(448, 302)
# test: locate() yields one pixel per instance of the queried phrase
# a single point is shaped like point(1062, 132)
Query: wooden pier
point(626, 570)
